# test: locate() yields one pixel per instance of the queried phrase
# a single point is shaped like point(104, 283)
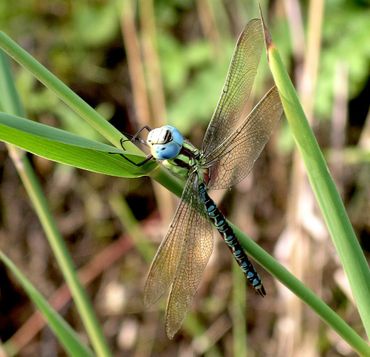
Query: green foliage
point(94, 25)
point(66, 336)
point(168, 12)
point(194, 76)
point(67, 148)
point(345, 41)
point(197, 101)
point(178, 61)
point(66, 35)
point(79, 29)
point(10, 102)
point(327, 196)
point(70, 42)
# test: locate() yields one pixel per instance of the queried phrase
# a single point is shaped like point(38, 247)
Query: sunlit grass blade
point(75, 103)
point(66, 336)
point(10, 102)
point(238, 310)
point(67, 148)
point(289, 280)
point(328, 198)
point(304, 293)
point(64, 93)
point(132, 226)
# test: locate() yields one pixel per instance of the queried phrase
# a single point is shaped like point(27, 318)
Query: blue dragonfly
point(232, 143)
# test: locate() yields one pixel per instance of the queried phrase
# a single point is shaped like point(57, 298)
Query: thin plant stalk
point(29, 179)
point(63, 91)
point(303, 292)
point(301, 202)
point(327, 196)
point(238, 310)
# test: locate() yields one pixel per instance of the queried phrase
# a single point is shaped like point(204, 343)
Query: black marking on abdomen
point(228, 235)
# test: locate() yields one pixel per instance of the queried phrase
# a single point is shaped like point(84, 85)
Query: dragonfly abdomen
point(228, 235)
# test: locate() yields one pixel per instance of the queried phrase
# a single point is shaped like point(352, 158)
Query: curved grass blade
point(10, 101)
point(67, 148)
point(66, 336)
point(329, 316)
point(328, 198)
point(71, 99)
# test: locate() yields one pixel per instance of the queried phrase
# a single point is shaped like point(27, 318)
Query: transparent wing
point(188, 226)
point(167, 259)
point(195, 255)
point(233, 159)
point(237, 87)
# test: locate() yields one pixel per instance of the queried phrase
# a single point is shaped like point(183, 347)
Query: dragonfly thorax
point(165, 142)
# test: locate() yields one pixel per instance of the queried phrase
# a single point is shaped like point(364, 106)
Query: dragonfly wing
point(237, 87)
point(168, 257)
point(233, 159)
point(196, 252)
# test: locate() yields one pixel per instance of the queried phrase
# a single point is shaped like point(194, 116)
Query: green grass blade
point(238, 311)
point(64, 93)
point(327, 196)
point(67, 148)
point(11, 103)
point(66, 336)
point(9, 99)
point(285, 277)
point(307, 295)
point(132, 226)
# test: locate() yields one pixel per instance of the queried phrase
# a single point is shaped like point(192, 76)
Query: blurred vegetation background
point(154, 62)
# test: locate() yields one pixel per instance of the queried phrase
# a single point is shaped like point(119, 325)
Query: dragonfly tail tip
point(261, 291)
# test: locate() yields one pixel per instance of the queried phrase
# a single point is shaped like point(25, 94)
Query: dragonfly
point(232, 143)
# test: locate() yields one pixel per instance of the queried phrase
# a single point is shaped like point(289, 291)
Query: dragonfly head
point(165, 142)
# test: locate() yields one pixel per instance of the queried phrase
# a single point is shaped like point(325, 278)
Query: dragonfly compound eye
point(165, 142)
point(166, 151)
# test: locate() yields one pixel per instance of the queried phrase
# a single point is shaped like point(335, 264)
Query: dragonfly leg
point(138, 164)
point(136, 136)
point(133, 139)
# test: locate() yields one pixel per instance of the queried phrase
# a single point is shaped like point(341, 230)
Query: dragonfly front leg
point(138, 164)
point(133, 139)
